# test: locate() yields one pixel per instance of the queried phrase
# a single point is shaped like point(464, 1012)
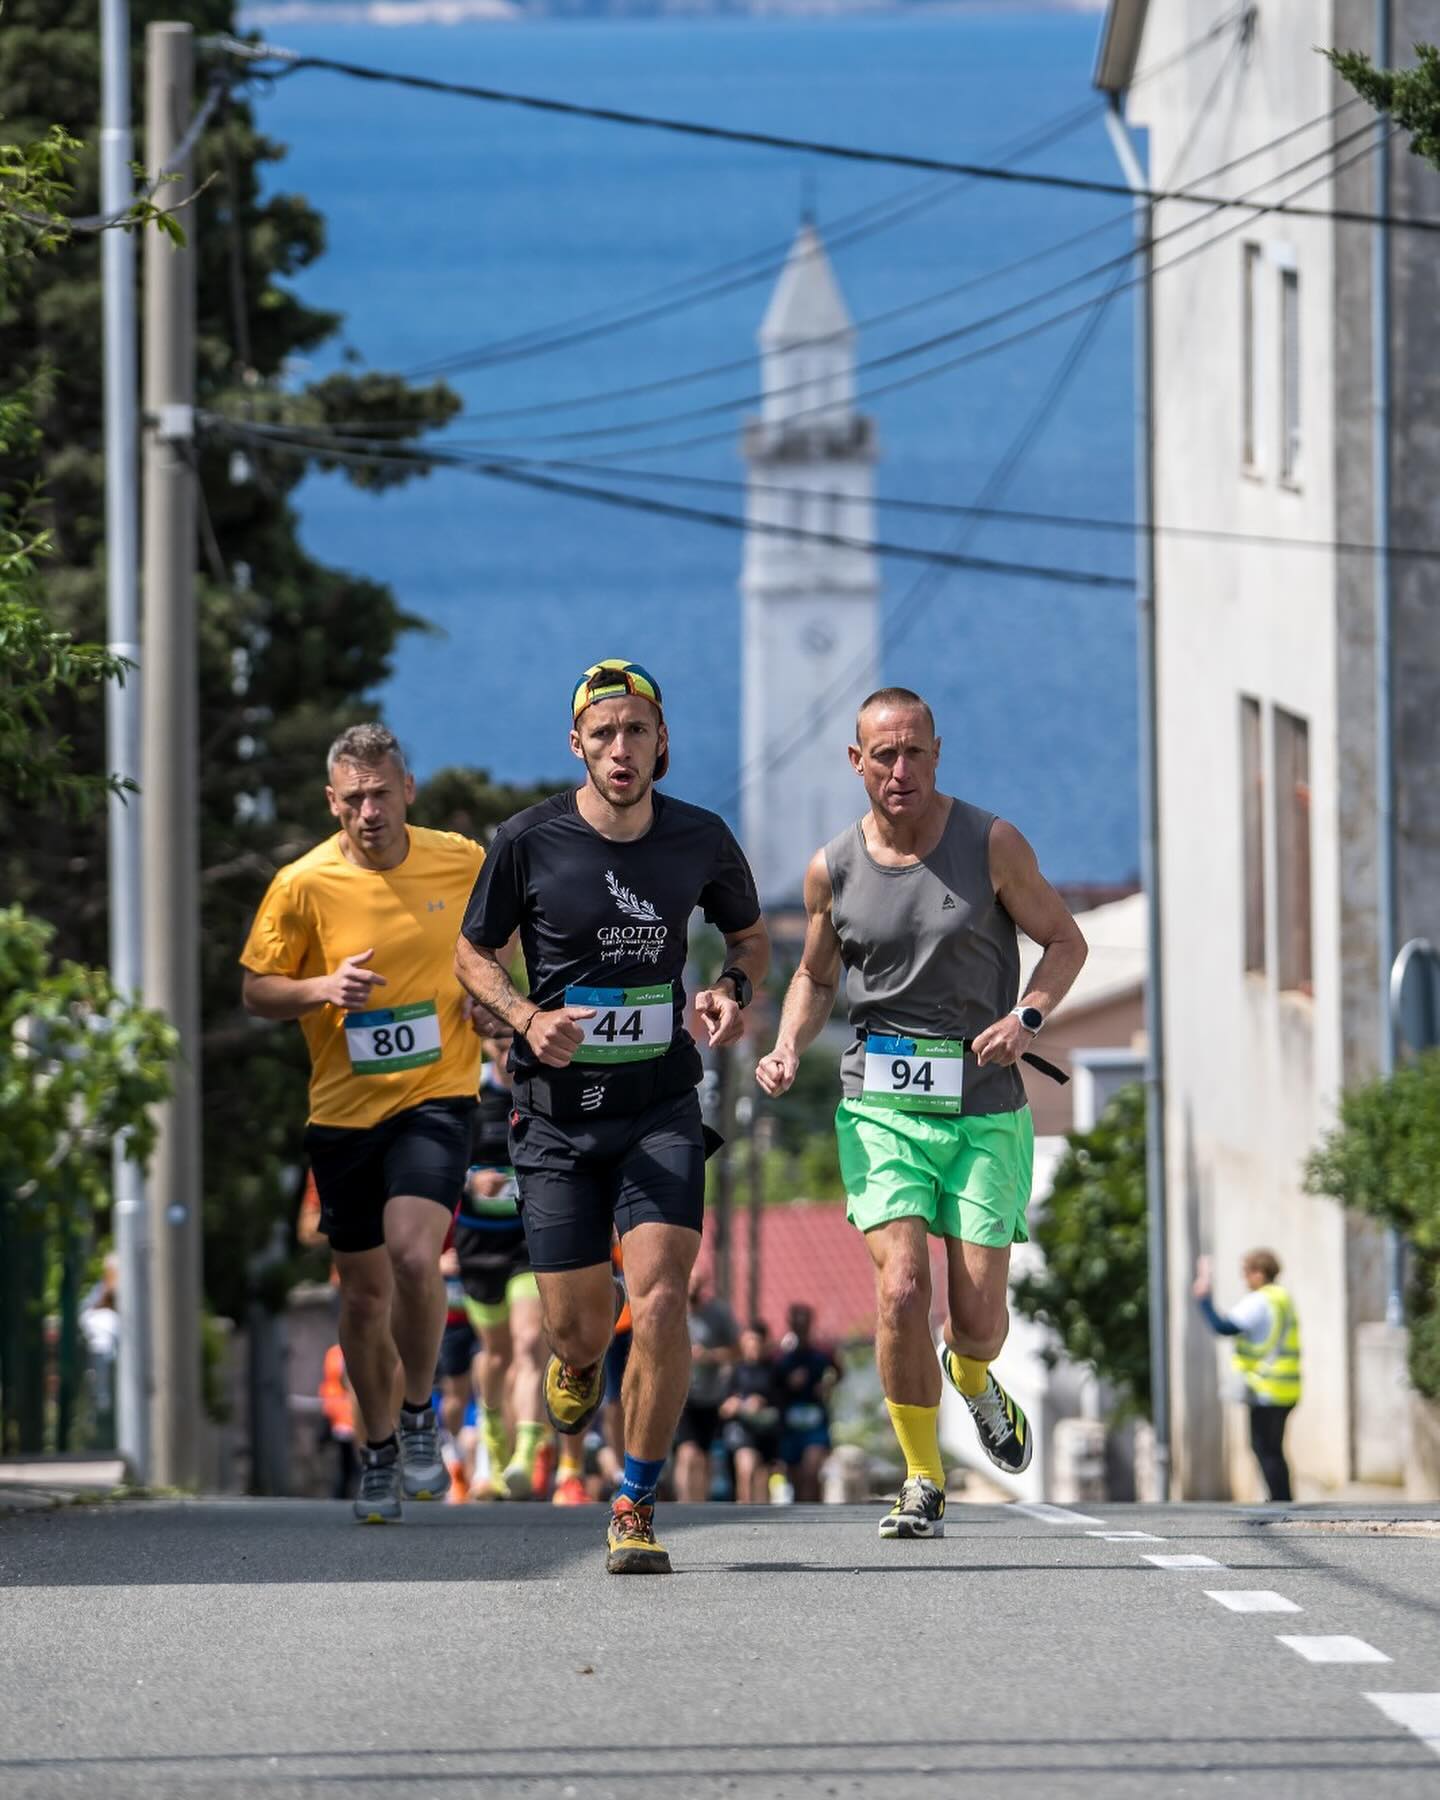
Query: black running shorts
point(424, 1150)
point(490, 1259)
point(577, 1177)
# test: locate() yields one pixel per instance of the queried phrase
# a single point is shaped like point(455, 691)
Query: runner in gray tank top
point(919, 901)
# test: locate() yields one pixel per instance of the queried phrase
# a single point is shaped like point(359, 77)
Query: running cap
point(608, 680)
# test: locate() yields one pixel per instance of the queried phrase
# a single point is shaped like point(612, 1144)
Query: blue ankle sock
point(640, 1479)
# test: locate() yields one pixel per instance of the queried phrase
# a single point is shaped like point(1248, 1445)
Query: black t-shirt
point(751, 1380)
point(599, 914)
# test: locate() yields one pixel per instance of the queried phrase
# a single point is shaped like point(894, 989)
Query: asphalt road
point(270, 1647)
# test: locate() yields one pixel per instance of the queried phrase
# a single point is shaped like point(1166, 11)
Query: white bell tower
point(810, 609)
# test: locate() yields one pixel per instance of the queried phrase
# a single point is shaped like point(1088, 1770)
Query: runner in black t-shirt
point(600, 884)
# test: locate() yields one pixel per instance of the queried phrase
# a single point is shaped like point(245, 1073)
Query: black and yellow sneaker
point(631, 1537)
point(573, 1396)
point(919, 1512)
point(1003, 1429)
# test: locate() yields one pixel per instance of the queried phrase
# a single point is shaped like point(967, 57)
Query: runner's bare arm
point(553, 1036)
point(717, 1007)
point(1042, 915)
point(813, 987)
point(283, 997)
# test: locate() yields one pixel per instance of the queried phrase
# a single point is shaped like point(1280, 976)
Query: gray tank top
point(929, 948)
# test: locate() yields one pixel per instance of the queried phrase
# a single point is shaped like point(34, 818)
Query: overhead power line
point(759, 265)
point(277, 63)
point(381, 454)
point(1023, 335)
point(973, 327)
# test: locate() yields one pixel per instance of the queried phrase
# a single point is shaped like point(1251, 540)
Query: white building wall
point(1252, 1072)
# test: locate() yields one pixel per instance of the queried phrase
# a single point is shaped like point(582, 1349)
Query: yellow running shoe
point(573, 1396)
point(633, 1549)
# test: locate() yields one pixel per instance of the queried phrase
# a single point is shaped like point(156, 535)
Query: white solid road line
point(1052, 1515)
point(1126, 1537)
point(1184, 1562)
point(1335, 1649)
point(1252, 1600)
point(1418, 1713)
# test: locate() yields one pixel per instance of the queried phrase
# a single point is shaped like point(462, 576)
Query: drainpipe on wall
point(1149, 798)
point(1384, 694)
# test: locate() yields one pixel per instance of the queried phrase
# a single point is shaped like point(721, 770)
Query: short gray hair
point(366, 745)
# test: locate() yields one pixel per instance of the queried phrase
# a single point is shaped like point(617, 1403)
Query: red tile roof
point(810, 1252)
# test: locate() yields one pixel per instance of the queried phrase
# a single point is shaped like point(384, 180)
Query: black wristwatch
point(744, 987)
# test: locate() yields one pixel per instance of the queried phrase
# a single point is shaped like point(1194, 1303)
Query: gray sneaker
point(378, 1501)
point(423, 1474)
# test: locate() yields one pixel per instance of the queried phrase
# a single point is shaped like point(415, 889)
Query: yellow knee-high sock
point(918, 1429)
point(970, 1374)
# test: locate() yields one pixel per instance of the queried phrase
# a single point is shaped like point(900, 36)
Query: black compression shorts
point(424, 1150)
point(578, 1176)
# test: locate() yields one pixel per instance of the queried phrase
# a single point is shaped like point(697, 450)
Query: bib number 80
point(399, 1042)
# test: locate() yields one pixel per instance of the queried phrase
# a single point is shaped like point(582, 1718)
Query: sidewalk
point(30, 1484)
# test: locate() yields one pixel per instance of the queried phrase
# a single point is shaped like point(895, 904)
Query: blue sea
point(453, 226)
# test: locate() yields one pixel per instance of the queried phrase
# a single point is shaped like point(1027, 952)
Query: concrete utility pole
point(170, 747)
point(1157, 1214)
point(122, 704)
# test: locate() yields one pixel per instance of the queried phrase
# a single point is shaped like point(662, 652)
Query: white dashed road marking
point(1252, 1600)
point(1053, 1515)
point(1126, 1537)
point(1184, 1562)
point(1418, 1713)
point(1335, 1649)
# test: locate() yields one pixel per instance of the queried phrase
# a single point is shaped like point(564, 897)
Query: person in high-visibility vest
point(1266, 1357)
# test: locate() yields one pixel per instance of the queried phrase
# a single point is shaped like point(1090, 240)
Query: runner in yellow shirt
point(356, 940)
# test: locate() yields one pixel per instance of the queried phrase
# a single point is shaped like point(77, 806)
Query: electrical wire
point(849, 228)
point(289, 62)
point(1024, 335)
point(722, 408)
point(384, 455)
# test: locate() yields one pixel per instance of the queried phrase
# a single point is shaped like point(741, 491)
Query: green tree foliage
point(291, 651)
point(1094, 1290)
point(1381, 1160)
point(1411, 97)
point(80, 1066)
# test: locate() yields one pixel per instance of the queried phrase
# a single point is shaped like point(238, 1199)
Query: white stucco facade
point(810, 609)
point(1257, 1053)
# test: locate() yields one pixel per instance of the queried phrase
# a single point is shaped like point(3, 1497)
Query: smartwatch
point(1030, 1017)
point(744, 987)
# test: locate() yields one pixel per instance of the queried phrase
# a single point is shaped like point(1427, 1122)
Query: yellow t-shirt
point(321, 909)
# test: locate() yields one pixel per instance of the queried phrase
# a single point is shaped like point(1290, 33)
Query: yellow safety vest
point(1271, 1370)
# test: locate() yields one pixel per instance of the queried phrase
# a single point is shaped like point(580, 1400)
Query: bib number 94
point(915, 1074)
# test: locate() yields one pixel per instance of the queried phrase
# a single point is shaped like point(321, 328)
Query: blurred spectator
point(805, 1378)
point(458, 1349)
point(713, 1343)
point(338, 1404)
point(752, 1416)
point(100, 1328)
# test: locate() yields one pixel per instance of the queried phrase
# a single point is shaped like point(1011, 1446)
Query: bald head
point(892, 699)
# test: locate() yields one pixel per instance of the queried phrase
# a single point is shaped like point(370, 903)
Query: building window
point(1252, 814)
point(1290, 376)
point(1249, 364)
point(1292, 852)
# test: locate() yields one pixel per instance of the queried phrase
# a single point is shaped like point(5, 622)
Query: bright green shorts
point(519, 1287)
point(967, 1178)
